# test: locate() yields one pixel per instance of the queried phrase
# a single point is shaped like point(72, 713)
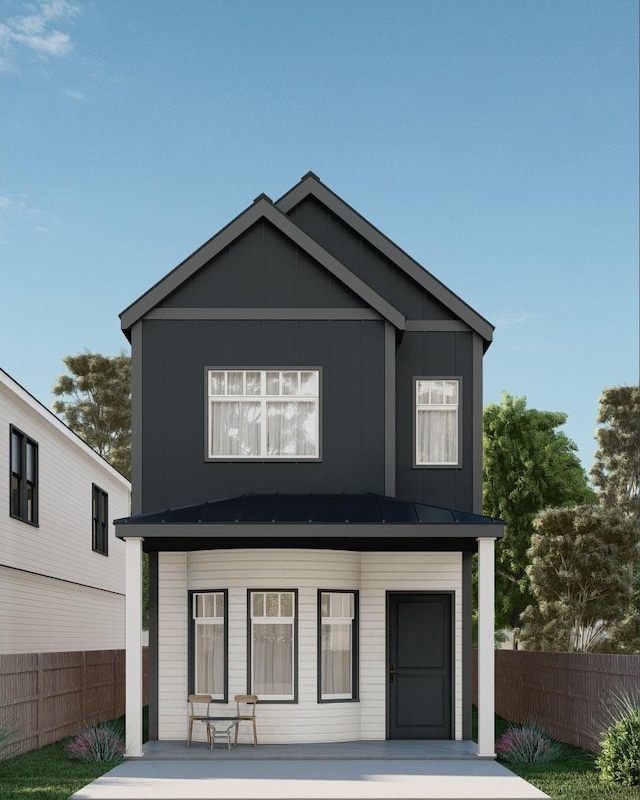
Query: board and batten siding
point(372, 574)
point(57, 553)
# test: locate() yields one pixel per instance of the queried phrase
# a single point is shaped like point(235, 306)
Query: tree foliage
point(581, 561)
point(96, 404)
point(528, 465)
point(616, 471)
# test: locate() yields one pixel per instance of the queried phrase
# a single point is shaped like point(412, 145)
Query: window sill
point(26, 521)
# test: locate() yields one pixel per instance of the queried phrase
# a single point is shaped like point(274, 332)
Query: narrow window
point(266, 414)
point(337, 646)
point(272, 644)
point(437, 422)
point(23, 487)
point(100, 518)
point(209, 643)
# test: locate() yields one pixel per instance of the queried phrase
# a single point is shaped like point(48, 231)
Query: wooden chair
point(198, 699)
point(246, 707)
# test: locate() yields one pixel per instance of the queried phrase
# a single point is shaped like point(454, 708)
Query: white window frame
point(263, 398)
point(220, 618)
point(341, 619)
point(447, 407)
point(264, 619)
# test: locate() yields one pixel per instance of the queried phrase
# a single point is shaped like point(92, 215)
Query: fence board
point(566, 693)
point(48, 696)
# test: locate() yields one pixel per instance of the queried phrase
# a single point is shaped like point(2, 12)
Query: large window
point(100, 519)
point(337, 646)
point(23, 503)
point(437, 422)
point(272, 644)
point(262, 414)
point(209, 643)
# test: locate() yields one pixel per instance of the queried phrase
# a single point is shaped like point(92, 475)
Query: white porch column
point(486, 647)
point(133, 634)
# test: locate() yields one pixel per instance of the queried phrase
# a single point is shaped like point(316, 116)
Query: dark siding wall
point(175, 354)
point(263, 269)
point(367, 263)
point(423, 355)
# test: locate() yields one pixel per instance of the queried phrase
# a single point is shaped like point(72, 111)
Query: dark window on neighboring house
point(337, 645)
point(24, 477)
point(100, 516)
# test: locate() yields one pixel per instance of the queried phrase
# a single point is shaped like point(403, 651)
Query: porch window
point(337, 646)
point(272, 644)
point(209, 624)
point(437, 422)
point(23, 490)
point(263, 414)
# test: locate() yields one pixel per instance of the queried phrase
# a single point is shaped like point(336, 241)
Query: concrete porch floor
point(392, 770)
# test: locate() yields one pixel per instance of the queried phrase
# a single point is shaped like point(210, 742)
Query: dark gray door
point(419, 668)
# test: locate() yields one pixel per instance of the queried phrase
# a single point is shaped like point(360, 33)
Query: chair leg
point(189, 733)
point(255, 734)
point(236, 735)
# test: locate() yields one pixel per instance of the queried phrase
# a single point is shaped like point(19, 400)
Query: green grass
point(572, 777)
point(49, 773)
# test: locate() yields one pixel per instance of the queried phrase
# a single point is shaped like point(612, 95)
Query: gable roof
point(311, 185)
point(262, 208)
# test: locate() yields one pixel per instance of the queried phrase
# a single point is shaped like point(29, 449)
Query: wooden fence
point(45, 697)
point(566, 693)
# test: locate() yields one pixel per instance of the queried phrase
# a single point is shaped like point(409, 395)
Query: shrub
point(527, 744)
point(619, 761)
point(101, 742)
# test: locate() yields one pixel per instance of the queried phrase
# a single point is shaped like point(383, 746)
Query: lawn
point(49, 774)
point(572, 777)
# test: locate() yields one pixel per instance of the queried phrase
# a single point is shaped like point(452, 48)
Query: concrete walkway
point(406, 771)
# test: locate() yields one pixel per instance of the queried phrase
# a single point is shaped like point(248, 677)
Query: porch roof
point(330, 517)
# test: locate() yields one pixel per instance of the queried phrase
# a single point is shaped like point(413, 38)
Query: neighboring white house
point(62, 570)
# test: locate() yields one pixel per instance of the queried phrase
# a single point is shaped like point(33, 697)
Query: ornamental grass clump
point(527, 744)
point(619, 761)
point(99, 743)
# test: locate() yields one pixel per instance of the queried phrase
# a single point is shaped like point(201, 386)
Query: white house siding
point(60, 546)
point(42, 615)
point(372, 574)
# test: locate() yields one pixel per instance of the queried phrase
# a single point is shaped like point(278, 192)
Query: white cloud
point(75, 95)
point(34, 30)
point(509, 322)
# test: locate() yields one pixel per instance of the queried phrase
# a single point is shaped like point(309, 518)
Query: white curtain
point(336, 659)
point(209, 659)
point(272, 655)
point(235, 428)
point(437, 437)
point(291, 428)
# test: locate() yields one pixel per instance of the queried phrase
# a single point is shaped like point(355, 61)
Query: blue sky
point(496, 142)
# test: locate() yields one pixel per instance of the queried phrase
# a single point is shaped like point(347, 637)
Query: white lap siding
point(372, 574)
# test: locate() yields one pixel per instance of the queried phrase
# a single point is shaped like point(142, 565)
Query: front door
point(419, 665)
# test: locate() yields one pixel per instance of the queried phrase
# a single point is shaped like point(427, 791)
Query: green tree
point(616, 471)
point(96, 404)
point(581, 560)
point(528, 465)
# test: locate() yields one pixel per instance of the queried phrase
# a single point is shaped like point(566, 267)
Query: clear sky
point(495, 142)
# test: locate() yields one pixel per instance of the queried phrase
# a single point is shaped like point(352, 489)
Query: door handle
point(392, 671)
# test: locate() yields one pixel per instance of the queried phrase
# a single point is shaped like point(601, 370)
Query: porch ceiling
point(340, 521)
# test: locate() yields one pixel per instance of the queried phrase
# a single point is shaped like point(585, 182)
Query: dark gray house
point(307, 483)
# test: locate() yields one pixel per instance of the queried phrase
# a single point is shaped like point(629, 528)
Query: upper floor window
point(437, 422)
point(266, 414)
point(100, 520)
point(23, 490)
point(209, 643)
